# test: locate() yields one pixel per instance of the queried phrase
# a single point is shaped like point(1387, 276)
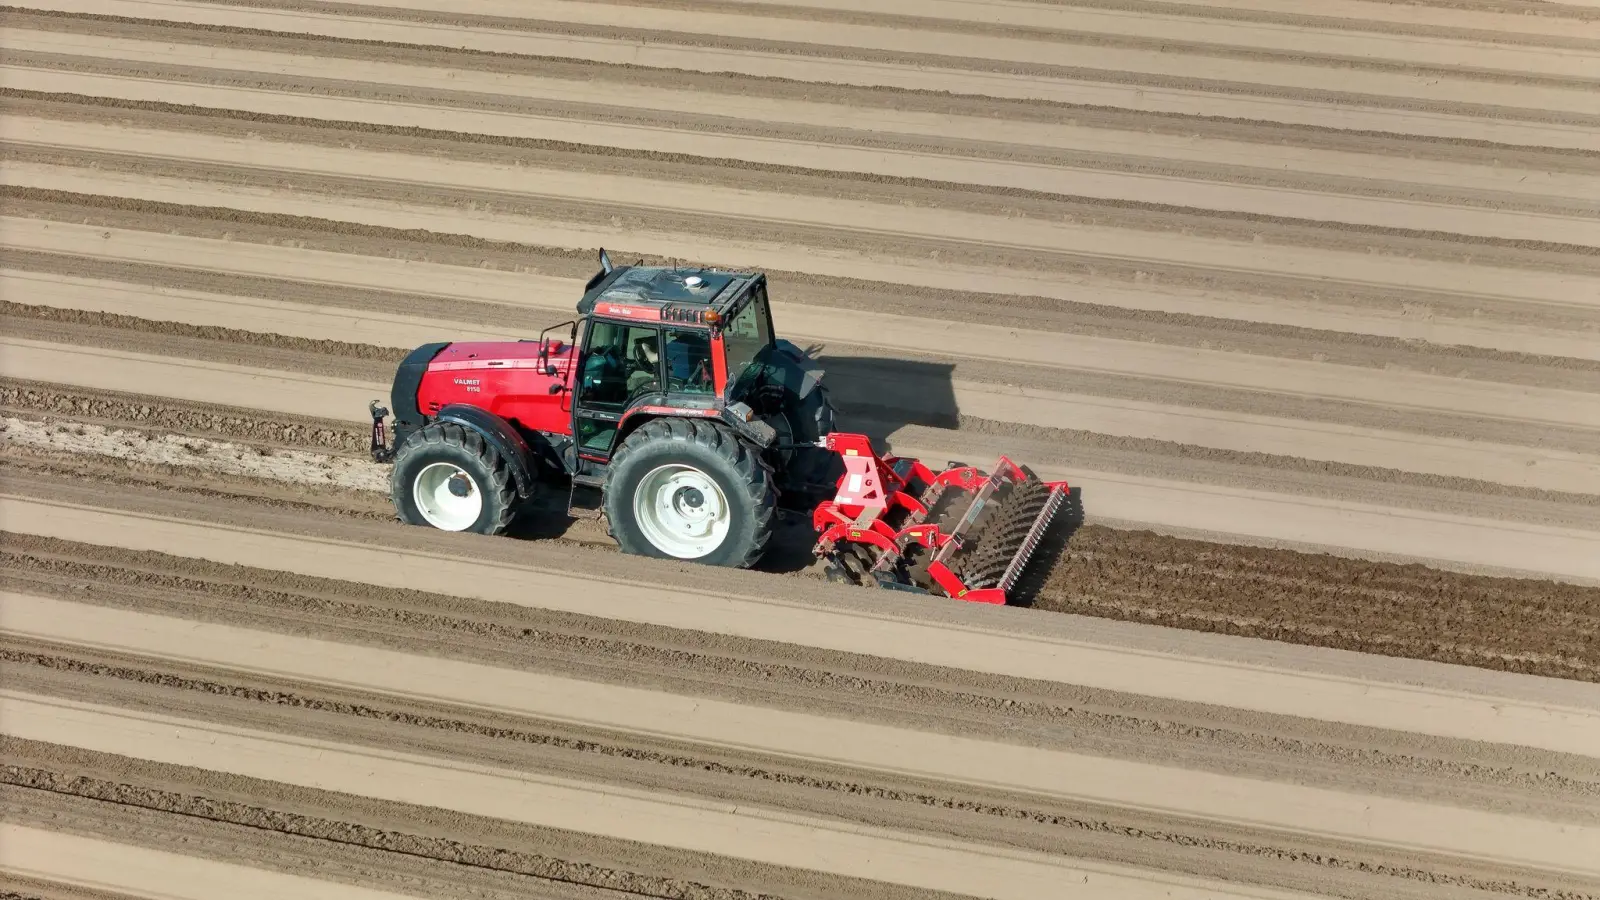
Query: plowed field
point(1303, 299)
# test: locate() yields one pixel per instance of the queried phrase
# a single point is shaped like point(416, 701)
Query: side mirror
point(550, 370)
point(557, 388)
point(605, 261)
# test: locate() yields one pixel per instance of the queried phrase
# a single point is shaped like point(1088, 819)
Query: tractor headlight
point(741, 411)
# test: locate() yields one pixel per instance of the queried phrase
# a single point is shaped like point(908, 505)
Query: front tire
point(447, 477)
point(690, 489)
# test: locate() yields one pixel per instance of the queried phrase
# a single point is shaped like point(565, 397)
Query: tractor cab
point(664, 341)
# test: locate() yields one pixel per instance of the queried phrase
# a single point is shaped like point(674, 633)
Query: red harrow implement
point(897, 524)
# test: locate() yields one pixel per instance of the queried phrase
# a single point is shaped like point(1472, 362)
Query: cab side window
point(689, 362)
point(620, 360)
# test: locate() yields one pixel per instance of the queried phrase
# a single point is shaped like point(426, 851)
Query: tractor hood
point(513, 354)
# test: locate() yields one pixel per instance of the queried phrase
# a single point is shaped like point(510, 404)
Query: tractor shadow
point(878, 396)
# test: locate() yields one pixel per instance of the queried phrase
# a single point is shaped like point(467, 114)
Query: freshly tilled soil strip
point(132, 831)
point(856, 789)
point(38, 781)
point(38, 889)
point(659, 658)
point(146, 450)
point(889, 98)
point(1383, 608)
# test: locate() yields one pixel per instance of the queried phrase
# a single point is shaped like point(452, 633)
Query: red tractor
point(683, 420)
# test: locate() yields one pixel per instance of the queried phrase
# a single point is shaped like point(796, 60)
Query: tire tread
point(500, 492)
point(755, 473)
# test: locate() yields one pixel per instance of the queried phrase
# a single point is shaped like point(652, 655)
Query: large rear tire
point(692, 490)
point(811, 473)
point(447, 477)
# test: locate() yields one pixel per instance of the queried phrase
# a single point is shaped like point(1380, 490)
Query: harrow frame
point(875, 489)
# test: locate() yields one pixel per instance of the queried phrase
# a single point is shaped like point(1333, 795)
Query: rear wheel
point(690, 489)
point(448, 477)
point(810, 473)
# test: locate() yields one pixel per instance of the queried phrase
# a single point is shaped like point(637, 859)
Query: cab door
point(615, 354)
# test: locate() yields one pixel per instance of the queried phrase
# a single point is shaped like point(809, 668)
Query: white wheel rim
point(681, 511)
point(447, 497)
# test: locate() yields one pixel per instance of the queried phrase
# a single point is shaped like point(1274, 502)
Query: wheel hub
point(682, 511)
point(447, 497)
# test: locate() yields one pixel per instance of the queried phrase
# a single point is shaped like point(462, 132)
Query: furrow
point(773, 34)
point(1558, 407)
point(1520, 211)
point(720, 102)
point(1470, 704)
point(1018, 223)
point(758, 837)
point(1236, 22)
point(921, 73)
point(1091, 168)
point(960, 262)
point(701, 726)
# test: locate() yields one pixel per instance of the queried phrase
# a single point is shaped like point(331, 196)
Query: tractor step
point(587, 498)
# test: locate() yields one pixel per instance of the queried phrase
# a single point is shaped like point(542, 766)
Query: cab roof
point(664, 286)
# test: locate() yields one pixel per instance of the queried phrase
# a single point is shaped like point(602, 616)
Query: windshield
point(746, 335)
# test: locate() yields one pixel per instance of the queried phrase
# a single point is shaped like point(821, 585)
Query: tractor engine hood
point(501, 354)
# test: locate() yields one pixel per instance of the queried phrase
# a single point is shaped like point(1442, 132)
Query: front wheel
point(692, 490)
point(448, 477)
